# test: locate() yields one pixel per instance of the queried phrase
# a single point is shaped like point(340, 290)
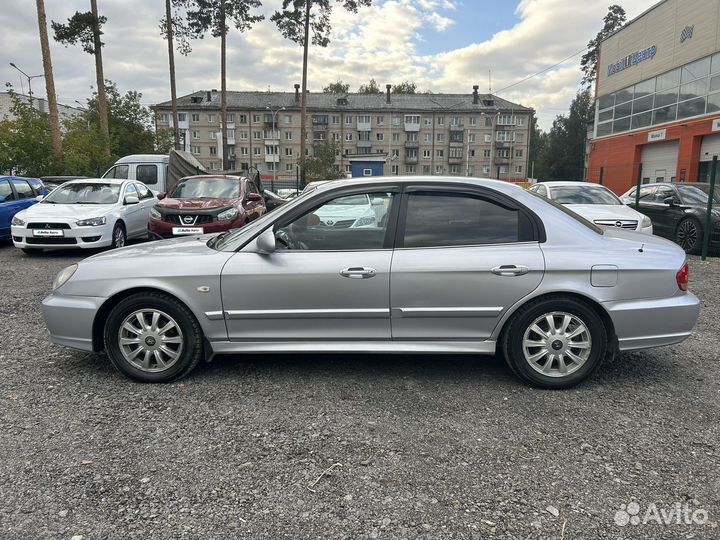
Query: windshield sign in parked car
point(401, 264)
point(205, 204)
point(678, 212)
point(85, 214)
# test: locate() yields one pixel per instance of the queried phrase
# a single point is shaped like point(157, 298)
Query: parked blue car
point(17, 193)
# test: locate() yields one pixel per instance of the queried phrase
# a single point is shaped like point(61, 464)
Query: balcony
point(503, 144)
point(271, 137)
point(456, 160)
point(412, 144)
point(411, 160)
point(272, 158)
point(457, 127)
point(411, 126)
point(319, 127)
point(456, 143)
point(364, 144)
point(363, 126)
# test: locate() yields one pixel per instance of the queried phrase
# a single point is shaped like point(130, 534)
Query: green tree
point(321, 165)
point(338, 87)
point(405, 87)
point(26, 141)
point(295, 20)
point(538, 141)
point(213, 16)
point(370, 88)
point(613, 20)
point(86, 29)
point(563, 156)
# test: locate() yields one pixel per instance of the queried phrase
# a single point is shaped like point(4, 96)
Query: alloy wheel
point(150, 340)
point(557, 344)
point(118, 237)
point(687, 235)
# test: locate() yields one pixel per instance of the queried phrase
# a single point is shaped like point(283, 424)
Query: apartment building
point(425, 134)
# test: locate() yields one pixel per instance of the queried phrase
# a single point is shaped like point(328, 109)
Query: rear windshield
point(583, 195)
point(564, 209)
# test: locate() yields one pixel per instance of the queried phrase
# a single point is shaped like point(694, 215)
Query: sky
point(442, 45)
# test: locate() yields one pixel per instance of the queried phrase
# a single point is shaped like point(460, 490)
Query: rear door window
point(23, 189)
point(6, 191)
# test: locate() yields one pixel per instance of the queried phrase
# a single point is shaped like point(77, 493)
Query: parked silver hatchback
point(428, 265)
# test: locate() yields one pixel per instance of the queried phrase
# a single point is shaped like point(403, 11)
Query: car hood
point(186, 245)
point(605, 211)
point(195, 204)
point(47, 211)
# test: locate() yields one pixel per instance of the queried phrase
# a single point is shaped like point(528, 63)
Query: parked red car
point(205, 204)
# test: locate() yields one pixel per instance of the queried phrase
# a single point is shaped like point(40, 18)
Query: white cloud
point(380, 41)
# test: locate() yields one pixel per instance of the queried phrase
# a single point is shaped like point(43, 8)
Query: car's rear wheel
point(689, 235)
point(119, 237)
point(152, 337)
point(555, 342)
point(32, 251)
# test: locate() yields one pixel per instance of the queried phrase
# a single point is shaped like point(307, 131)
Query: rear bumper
point(641, 324)
point(70, 319)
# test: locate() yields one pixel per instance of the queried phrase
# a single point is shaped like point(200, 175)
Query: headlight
point(92, 222)
point(155, 214)
point(367, 220)
point(17, 221)
point(646, 222)
point(63, 276)
point(230, 213)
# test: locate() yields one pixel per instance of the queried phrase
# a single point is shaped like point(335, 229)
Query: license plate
point(48, 232)
point(187, 230)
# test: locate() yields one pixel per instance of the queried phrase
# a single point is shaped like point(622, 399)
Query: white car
point(595, 203)
point(349, 212)
point(88, 213)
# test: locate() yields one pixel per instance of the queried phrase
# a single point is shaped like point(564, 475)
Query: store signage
point(658, 135)
point(716, 124)
point(686, 33)
point(632, 59)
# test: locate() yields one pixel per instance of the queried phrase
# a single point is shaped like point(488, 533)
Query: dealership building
point(657, 112)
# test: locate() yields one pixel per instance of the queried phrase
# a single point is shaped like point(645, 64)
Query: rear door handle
point(358, 272)
point(510, 270)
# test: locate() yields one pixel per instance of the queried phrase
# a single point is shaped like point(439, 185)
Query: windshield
point(84, 193)
point(583, 195)
point(206, 188)
point(351, 200)
point(698, 194)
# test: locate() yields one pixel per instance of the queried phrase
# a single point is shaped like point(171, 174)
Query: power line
point(543, 71)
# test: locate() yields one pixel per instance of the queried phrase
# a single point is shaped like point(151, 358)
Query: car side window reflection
point(6, 191)
point(347, 223)
point(448, 219)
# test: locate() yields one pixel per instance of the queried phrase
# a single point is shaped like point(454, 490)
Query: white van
point(150, 169)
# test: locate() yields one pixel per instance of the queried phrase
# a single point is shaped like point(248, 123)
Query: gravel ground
point(326, 446)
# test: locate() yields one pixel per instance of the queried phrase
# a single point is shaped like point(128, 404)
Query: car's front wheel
point(152, 337)
point(555, 342)
point(119, 237)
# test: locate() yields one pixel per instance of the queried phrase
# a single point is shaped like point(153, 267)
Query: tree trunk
point(223, 88)
point(171, 60)
point(303, 102)
point(49, 80)
point(100, 77)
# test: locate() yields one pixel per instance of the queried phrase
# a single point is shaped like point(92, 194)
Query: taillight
point(683, 277)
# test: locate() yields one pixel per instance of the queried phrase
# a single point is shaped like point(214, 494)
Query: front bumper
point(641, 324)
point(158, 229)
point(70, 319)
point(73, 237)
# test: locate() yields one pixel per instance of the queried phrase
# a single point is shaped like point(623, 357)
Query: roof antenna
point(641, 250)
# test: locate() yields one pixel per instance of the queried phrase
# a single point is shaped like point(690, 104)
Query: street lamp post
point(29, 80)
point(275, 164)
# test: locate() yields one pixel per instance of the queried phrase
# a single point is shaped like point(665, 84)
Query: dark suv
point(205, 204)
point(678, 211)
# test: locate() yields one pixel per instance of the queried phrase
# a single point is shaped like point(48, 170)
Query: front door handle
point(509, 270)
point(358, 272)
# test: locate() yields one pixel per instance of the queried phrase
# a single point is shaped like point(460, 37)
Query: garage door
point(659, 162)
point(710, 147)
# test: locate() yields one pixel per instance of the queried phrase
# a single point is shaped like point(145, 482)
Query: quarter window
point(147, 174)
point(448, 219)
point(143, 192)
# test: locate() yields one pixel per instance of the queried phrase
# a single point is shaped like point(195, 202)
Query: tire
point(32, 251)
point(184, 340)
point(542, 365)
point(689, 235)
point(119, 236)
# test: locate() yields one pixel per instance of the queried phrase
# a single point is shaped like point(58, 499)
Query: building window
point(428, 137)
point(195, 134)
point(440, 137)
point(426, 154)
point(211, 118)
point(426, 169)
point(486, 153)
point(488, 121)
point(396, 137)
point(410, 169)
point(194, 117)
point(472, 120)
point(439, 169)
point(488, 138)
point(440, 120)
point(428, 122)
point(243, 119)
point(182, 117)
point(289, 167)
point(271, 150)
point(456, 152)
point(364, 119)
point(396, 153)
point(454, 169)
point(471, 153)
point(243, 151)
point(396, 120)
point(335, 136)
point(336, 119)
point(243, 135)
point(212, 135)
point(348, 168)
point(256, 118)
point(288, 152)
point(230, 117)
point(231, 134)
point(213, 150)
point(256, 150)
point(195, 150)
point(503, 153)
point(257, 135)
point(505, 120)
point(395, 169)
point(519, 153)
point(455, 121)
point(505, 136)
point(456, 136)
point(379, 136)
point(519, 169)
point(411, 153)
point(363, 135)
point(349, 136)
point(412, 119)
point(519, 120)
point(439, 153)
point(411, 136)
point(380, 120)
point(348, 120)
point(520, 137)
point(486, 169)
point(162, 117)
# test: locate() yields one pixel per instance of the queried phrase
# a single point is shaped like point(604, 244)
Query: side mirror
point(254, 197)
point(39, 198)
point(266, 242)
point(162, 195)
point(131, 199)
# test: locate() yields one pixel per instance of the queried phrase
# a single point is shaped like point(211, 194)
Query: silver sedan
point(439, 265)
